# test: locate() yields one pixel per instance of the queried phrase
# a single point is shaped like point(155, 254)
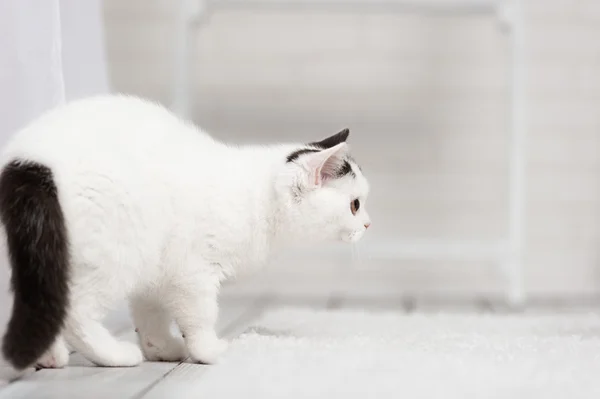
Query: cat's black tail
point(38, 250)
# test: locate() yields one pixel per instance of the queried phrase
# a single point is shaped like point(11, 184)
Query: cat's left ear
point(332, 141)
point(324, 164)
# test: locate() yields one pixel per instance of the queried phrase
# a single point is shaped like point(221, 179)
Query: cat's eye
point(355, 206)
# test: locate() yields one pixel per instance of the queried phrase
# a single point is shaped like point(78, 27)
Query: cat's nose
point(367, 225)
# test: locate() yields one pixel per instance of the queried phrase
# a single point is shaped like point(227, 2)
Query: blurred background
point(477, 123)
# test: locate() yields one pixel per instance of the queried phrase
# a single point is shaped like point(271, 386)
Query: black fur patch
point(39, 257)
point(321, 145)
point(296, 154)
point(346, 169)
point(332, 141)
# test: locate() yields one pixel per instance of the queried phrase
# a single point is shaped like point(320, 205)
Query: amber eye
point(355, 206)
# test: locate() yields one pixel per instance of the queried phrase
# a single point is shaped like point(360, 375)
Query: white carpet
point(295, 353)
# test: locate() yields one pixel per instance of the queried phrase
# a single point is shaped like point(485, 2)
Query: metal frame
point(508, 253)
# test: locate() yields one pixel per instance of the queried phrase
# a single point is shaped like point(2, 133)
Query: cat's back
point(102, 129)
point(112, 157)
point(117, 165)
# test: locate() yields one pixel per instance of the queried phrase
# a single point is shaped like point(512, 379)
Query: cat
point(114, 197)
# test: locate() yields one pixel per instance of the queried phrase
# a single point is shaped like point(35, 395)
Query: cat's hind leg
point(85, 333)
point(56, 357)
point(152, 322)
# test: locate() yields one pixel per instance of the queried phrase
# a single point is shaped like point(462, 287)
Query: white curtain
point(51, 51)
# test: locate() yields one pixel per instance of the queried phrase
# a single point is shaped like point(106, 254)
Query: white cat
point(114, 197)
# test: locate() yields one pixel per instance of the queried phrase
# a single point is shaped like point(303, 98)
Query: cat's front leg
point(152, 325)
point(194, 306)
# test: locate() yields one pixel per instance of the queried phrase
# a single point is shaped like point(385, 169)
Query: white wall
point(426, 100)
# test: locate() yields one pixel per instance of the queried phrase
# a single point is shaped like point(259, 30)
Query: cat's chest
point(229, 234)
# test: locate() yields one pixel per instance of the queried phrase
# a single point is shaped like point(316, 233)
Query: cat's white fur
point(160, 213)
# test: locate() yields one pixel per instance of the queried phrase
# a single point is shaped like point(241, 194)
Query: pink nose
point(367, 225)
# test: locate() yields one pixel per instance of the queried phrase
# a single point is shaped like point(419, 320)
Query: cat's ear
point(332, 141)
point(324, 164)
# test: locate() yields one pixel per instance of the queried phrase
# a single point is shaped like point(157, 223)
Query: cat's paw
point(53, 361)
point(169, 349)
point(56, 357)
point(206, 348)
point(126, 354)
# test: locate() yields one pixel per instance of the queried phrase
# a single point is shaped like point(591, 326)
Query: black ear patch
point(332, 141)
point(296, 154)
point(346, 169)
point(329, 142)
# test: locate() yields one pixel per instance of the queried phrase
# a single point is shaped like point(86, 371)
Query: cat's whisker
point(356, 260)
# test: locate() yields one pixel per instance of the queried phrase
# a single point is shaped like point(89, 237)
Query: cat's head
point(326, 191)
